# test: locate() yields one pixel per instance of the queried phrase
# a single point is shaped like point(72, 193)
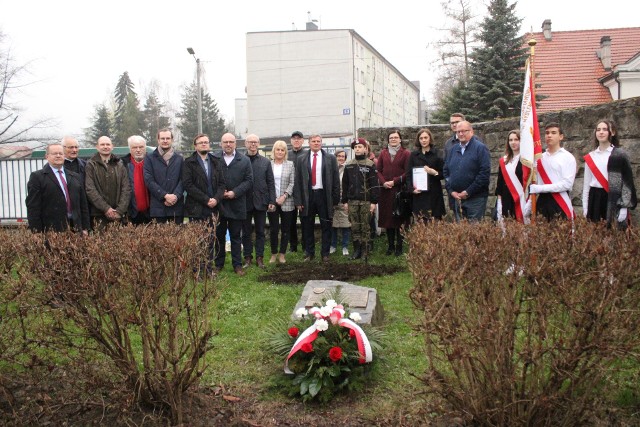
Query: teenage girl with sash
point(510, 202)
point(608, 191)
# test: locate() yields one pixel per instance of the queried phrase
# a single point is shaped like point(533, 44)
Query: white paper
point(420, 179)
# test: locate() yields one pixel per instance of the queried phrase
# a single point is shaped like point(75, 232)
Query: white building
point(241, 125)
point(330, 82)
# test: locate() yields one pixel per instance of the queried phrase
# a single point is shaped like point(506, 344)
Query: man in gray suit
point(316, 192)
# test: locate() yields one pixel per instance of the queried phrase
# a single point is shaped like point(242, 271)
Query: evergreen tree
point(102, 124)
point(212, 124)
point(154, 117)
point(128, 119)
point(495, 85)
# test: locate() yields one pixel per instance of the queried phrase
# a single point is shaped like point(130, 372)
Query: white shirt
point(277, 176)
point(318, 185)
point(57, 175)
point(228, 159)
point(564, 165)
point(601, 159)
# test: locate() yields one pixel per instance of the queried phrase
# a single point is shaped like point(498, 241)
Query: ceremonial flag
point(530, 145)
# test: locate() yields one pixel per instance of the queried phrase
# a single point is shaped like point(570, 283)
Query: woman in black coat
point(509, 188)
point(427, 204)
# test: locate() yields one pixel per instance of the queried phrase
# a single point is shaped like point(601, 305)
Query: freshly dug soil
point(301, 272)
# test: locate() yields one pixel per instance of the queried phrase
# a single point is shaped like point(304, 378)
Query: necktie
point(66, 191)
point(313, 169)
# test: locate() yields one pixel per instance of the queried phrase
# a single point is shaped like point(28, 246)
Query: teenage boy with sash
point(556, 173)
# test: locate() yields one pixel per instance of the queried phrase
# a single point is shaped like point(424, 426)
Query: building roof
point(568, 66)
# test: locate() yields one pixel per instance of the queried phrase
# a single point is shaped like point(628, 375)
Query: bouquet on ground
point(326, 351)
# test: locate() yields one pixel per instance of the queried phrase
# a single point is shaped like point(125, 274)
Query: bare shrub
point(524, 329)
point(136, 295)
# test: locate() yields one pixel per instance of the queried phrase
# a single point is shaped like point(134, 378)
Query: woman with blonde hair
point(280, 217)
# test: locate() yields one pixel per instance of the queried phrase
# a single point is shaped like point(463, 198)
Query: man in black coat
point(55, 197)
point(316, 192)
point(238, 179)
point(261, 198)
point(203, 181)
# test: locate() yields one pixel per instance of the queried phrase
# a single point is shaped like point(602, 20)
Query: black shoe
point(389, 251)
point(357, 250)
point(247, 262)
point(398, 251)
point(293, 249)
point(308, 258)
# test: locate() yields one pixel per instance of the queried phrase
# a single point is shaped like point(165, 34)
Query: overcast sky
point(78, 49)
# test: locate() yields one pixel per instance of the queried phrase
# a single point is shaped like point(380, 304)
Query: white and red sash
point(562, 199)
point(514, 185)
point(596, 172)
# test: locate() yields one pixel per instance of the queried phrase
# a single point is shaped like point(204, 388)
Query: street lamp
point(192, 52)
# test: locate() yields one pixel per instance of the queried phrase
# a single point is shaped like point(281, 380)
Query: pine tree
point(128, 119)
point(154, 117)
point(212, 124)
point(102, 124)
point(495, 85)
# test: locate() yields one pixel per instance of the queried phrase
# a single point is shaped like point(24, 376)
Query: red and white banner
point(530, 145)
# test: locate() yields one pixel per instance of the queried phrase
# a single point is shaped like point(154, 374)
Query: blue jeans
point(346, 233)
point(473, 209)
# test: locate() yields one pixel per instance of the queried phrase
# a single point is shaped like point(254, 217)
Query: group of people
point(237, 192)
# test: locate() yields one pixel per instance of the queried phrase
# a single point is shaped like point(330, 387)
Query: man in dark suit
point(55, 197)
point(316, 192)
point(238, 178)
point(203, 181)
point(260, 199)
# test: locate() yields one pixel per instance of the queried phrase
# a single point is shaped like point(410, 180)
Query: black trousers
point(259, 220)
point(279, 220)
point(317, 206)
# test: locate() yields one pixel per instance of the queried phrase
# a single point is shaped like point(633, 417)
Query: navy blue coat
point(469, 172)
point(238, 177)
point(162, 179)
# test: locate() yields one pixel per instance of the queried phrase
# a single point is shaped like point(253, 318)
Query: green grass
point(246, 307)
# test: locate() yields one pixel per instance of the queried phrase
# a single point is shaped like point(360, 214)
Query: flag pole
point(534, 174)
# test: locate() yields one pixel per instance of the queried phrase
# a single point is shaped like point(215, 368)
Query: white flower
point(326, 311)
point(331, 303)
point(322, 325)
point(301, 312)
point(355, 317)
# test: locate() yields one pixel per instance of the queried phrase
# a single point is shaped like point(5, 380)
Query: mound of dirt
point(301, 272)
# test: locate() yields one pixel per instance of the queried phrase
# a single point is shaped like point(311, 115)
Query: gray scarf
point(393, 151)
point(166, 155)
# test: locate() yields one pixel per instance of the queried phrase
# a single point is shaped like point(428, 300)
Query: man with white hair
point(134, 161)
point(71, 160)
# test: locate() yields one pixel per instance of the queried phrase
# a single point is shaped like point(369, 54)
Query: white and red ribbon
point(311, 333)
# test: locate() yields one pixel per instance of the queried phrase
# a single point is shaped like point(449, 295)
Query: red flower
point(352, 333)
point(307, 347)
point(293, 332)
point(335, 354)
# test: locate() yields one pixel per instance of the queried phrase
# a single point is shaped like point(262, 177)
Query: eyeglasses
point(165, 139)
point(252, 142)
point(228, 142)
point(463, 131)
point(202, 143)
point(71, 147)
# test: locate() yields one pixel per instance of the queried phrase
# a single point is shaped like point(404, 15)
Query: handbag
point(402, 204)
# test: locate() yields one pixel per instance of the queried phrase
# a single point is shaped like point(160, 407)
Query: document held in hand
point(420, 179)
